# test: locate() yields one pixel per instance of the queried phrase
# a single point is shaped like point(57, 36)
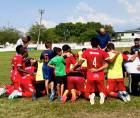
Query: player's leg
point(134, 83)
point(122, 90)
point(62, 90)
point(111, 88)
point(90, 91)
point(52, 91)
point(69, 88)
point(102, 90)
point(64, 97)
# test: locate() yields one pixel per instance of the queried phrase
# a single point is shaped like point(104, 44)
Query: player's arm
point(114, 58)
point(79, 63)
point(51, 63)
point(99, 69)
point(24, 71)
point(133, 57)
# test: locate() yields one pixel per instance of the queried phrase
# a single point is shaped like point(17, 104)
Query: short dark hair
point(83, 49)
point(29, 38)
point(57, 49)
point(110, 46)
point(94, 42)
point(18, 49)
point(66, 47)
point(126, 52)
point(136, 39)
point(48, 44)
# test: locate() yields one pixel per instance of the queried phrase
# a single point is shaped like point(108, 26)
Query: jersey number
point(94, 61)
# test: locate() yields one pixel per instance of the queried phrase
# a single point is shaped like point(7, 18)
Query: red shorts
point(93, 86)
point(115, 85)
point(75, 82)
point(95, 75)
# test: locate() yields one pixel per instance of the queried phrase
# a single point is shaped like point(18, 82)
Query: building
point(128, 36)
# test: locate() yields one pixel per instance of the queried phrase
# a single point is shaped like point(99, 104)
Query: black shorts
point(60, 79)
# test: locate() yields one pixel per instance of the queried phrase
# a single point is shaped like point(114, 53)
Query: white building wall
point(128, 36)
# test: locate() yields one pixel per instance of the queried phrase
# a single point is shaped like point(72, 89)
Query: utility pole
point(41, 11)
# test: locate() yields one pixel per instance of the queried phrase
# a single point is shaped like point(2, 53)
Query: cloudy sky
point(21, 14)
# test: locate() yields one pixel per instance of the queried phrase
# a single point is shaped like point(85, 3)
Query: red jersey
point(17, 60)
point(95, 57)
point(69, 60)
point(32, 70)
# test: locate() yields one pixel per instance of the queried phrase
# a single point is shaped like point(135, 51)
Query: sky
point(22, 14)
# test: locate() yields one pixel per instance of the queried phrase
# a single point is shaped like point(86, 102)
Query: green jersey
point(59, 63)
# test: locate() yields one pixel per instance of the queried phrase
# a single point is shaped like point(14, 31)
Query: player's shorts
point(47, 73)
point(60, 79)
point(95, 75)
point(115, 85)
point(75, 82)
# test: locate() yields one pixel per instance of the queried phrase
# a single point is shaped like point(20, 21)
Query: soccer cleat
point(121, 96)
point(127, 96)
point(15, 94)
point(102, 98)
point(2, 91)
point(64, 99)
point(33, 96)
point(52, 95)
point(91, 97)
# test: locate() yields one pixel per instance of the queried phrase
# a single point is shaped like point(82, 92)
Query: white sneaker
point(2, 91)
point(91, 97)
point(121, 96)
point(127, 96)
point(102, 98)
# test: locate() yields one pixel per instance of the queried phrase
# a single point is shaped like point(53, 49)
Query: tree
point(33, 32)
point(10, 35)
point(86, 36)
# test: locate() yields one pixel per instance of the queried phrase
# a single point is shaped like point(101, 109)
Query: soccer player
point(27, 88)
point(75, 86)
point(133, 71)
point(69, 57)
point(58, 63)
point(136, 46)
point(24, 41)
point(16, 72)
point(70, 61)
point(46, 56)
point(96, 63)
point(115, 83)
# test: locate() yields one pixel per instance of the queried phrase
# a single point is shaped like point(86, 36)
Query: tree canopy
point(63, 32)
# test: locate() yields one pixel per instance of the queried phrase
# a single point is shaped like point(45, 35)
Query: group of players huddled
point(69, 76)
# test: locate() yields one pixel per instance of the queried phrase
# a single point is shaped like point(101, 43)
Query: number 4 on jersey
point(94, 61)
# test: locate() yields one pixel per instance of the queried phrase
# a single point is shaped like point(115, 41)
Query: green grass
point(42, 108)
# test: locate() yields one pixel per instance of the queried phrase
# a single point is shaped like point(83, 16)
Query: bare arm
point(99, 69)
point(132, 58)
point(114, 58)
point(51, 66)
point(24, 71)
point(80, 62)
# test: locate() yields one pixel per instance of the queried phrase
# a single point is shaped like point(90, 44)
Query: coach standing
point(24, 41)
point(103, 38)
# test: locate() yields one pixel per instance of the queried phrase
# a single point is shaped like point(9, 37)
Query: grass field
point(42, 108)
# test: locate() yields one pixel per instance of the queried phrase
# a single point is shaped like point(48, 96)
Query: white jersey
point(131, 67)
point(19, 42)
